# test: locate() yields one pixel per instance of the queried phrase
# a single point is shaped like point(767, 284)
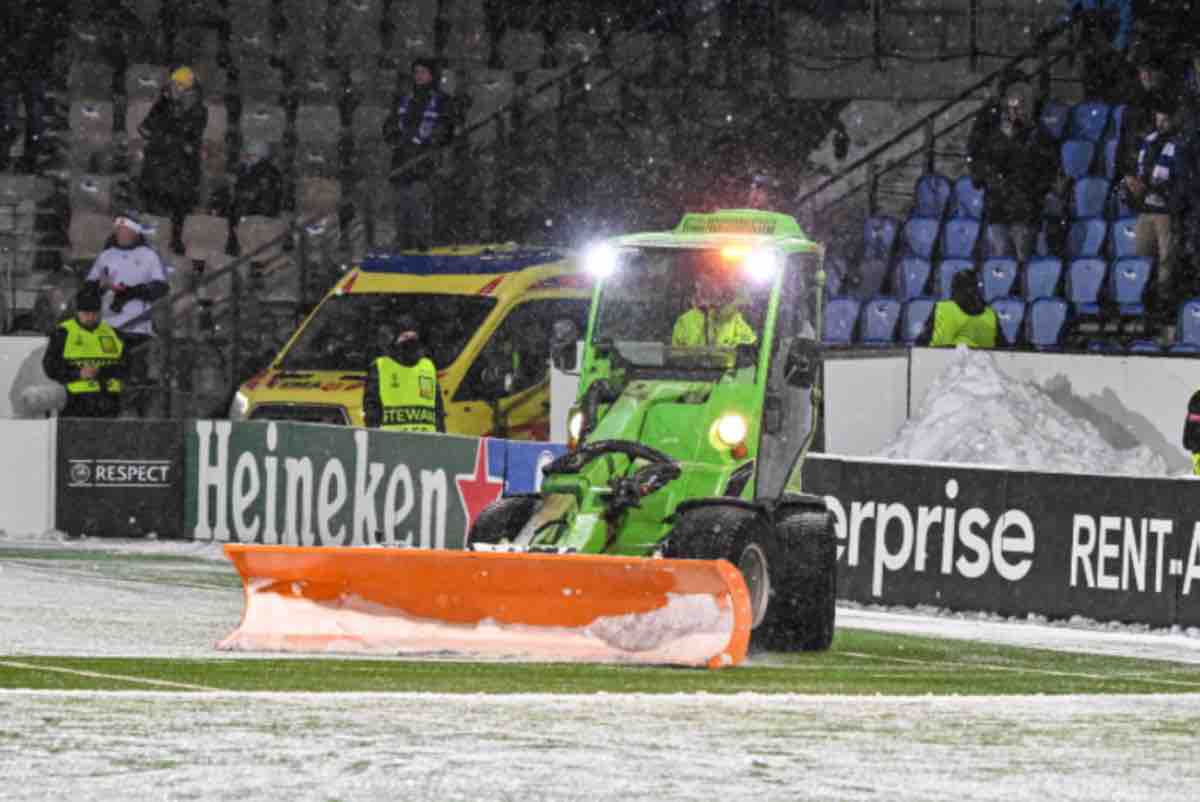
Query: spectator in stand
point(420, 123)
point(30, 34)
point(85, 355)
point(1138, 120)
point(1014, 160)
point(762, 192)
point(258, 188)
point(131, 277)
point(1104, 30)
point(174, 133)
point(963, 319)
point(1151, 191)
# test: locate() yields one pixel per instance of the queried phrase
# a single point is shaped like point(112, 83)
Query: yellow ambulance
point(487, 314)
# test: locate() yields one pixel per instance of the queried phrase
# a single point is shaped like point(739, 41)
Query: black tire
point(742, 537)
point(805, 598)
point(502, 520)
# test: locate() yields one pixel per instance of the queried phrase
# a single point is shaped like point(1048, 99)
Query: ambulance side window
point(520, 345)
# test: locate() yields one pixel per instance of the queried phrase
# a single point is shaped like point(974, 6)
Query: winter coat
point(1016, 169)
point(174, 133)
point(257, 191)
point(419, 123)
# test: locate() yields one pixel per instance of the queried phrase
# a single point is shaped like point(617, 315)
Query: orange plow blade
point(498, 604)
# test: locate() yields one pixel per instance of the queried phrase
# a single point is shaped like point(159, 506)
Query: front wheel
point(502, 520)
point(806, 603)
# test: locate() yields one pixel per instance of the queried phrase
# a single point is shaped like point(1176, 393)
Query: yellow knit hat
point(183, 78)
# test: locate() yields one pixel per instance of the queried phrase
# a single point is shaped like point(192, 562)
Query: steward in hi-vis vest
point(714, 319)
point(86, 356)
point(1191, 431)
point(402, 393)
point(963, 319)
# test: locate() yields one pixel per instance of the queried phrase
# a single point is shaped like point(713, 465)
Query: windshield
point(677, 308)
point(348, 331)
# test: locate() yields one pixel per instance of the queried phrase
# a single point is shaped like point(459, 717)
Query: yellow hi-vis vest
point(719, 327)
point(408, 395)
point(98, 348)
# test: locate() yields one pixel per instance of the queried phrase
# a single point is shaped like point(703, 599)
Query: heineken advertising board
point(316, 485)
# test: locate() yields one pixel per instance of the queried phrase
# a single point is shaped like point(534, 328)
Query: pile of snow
point(974, 414)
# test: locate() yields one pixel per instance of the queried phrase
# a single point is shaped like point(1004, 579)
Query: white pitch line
point(1025, 670)
point(100, 675)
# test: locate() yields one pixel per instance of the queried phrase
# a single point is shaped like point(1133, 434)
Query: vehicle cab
point(486, 314)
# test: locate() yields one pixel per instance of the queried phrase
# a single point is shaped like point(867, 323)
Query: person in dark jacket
point(258, 188)
point(1152, 192)
point(402, 392)
point(174, 134)
point(86, 356)
point(963, 319)
point(1191, 431)
point(1105, 27)
point(30, 33)
point(419, 124)
point(1015, 162)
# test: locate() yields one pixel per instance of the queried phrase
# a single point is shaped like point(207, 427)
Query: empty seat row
point(1090, 120)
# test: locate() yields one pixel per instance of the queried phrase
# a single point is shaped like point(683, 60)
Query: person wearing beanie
point(258, 189)
point(964, 318)
point(169, 183)
point(129, 276)
point(86, 356)
point(419, 124)
point(402, 392)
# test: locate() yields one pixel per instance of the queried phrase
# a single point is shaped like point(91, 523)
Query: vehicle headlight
point(600, 260)
point(732, 429)
point(761, 264)
point(239, 406)
point(575, 421)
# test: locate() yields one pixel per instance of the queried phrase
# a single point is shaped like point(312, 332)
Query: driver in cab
point(714, 319)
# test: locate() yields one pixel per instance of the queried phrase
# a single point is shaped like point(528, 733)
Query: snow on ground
point(604, 747)
point(974, 414)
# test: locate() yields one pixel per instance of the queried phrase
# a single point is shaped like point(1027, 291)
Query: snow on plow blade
point(569, 607)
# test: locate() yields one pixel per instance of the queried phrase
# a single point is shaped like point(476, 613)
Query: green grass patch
point(860, 663)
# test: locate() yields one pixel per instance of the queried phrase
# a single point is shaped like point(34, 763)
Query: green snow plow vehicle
point(697, 403)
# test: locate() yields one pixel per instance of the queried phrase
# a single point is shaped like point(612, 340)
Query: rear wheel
point(502, 520)
point(805, 606)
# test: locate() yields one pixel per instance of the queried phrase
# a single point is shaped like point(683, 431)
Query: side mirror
point(562, 345)
point(497, 382)
point(803, 359)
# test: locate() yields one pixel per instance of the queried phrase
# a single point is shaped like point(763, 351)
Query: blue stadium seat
point(1104, 345)
point(968, 199)
point(1041, 277)
point(1089, 120)
point(879, 237)
point(998, 276)
point(1121, 239)
point(841, 318)
point(1110, 158)
point(915, 318)
point(1127, 280)
point(1045, 321)
point(931, 196)
point(1145, 347)
point(1089, 196)
point(1010, 315)
point(836, 268)
point(1053, 118)
point(872, 273)
point(1077, 155)
point(946, 271)
point(921, 236)
point(1184, 348)
point(911, 277)
point(1187, 328)
point(1086, 237)
point(960, 238)
point(1085, 280)
point(879, 319)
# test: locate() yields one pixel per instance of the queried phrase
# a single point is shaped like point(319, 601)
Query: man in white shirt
point(131, 277)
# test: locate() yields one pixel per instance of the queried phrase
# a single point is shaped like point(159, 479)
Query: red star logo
point(479, 489)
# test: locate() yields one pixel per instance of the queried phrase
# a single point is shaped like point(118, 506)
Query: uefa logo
point(81, 473)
